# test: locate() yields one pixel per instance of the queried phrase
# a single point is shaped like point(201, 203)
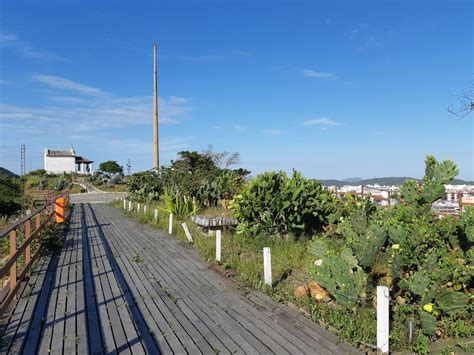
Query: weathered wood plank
point(119, 286)
point(295, 342)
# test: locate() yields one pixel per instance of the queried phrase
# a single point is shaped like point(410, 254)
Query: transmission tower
point(23, 161)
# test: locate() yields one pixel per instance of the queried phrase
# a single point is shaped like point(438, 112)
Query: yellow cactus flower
point(396, 246)
point(428, 307)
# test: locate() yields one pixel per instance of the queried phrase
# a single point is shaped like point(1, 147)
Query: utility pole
point(23, 162)
point(156, 160)
point(128, 166)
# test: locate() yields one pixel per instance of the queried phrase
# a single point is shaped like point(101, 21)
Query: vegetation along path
point(118, 286)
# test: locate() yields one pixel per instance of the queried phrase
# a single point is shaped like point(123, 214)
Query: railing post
point(13, 267)
point(28, 247)
point(38, 224)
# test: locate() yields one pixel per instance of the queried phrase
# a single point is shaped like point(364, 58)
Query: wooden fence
point(21, 241)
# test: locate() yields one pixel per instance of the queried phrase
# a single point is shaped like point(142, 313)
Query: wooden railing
point(22, 241)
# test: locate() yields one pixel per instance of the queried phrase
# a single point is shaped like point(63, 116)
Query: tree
point(465, 102)
point(10, 195)
point(111, 166)
point(222, 159)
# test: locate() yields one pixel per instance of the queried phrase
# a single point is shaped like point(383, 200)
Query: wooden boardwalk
point(118, 286)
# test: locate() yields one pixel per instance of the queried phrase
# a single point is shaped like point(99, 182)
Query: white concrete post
point(186, 231)
point(218, 245)
point(170, 224)
point(156, 214)
point(144, 209)
point(124, 204)
point(267, 266)
point(129, 205)
point(138, 208)
point(382, 318)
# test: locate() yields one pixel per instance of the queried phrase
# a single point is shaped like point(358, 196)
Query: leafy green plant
point(224, 187)
point(178, 204)
point(425, 261)
point(145, 186)
point(274, 204)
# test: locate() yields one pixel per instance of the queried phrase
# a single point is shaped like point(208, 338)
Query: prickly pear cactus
point(338, 272)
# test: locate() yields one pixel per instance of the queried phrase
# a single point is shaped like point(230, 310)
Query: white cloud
point(25, 49)
point(323, 122)
point(317, 74)
point(272, 131)
point(88, 108)
point(58, 82)
point(240, 128)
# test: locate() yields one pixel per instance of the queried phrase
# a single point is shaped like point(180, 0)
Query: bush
point(145, 186)
point(224, 187)
point(37, 172)
point(111, 166)
point(10, 195)
point(179, 204)
point(426, 262)
point(274, 204)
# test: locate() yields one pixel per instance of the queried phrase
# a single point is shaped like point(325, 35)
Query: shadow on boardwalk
point(118, 286)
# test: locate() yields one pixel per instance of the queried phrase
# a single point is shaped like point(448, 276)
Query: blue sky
point(333, 89)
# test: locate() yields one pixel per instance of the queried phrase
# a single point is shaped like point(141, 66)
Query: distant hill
point(8, 173)
point(354, 179)
point(381, 181)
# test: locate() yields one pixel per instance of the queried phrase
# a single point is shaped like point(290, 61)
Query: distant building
point(66, 161)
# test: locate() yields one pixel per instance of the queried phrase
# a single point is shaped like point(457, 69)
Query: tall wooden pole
point(156, 158)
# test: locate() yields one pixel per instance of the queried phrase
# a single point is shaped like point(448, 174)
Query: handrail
point(9, 291)
point(33, 213)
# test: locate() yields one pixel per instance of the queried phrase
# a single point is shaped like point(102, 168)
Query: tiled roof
point(83, 160)
point(60, 153)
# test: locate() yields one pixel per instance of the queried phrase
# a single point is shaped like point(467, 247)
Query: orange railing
point(22, 242)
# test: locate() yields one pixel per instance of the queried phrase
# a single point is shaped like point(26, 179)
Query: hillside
point(8, 173)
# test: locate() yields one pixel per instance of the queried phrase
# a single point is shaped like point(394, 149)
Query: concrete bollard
point(186, 231)
point(383, 319)
point(267, 266)
point(144, 209)
point(218, 245)
point(129, 206)
point(124, 204)
point(170, 224)
point(138, 208)
point(156, 214)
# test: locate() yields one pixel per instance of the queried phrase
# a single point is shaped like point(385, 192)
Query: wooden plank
point(183, 296)
point(94, 331)
point(124, 330)
point(177, 311)
point(16, 324)
point(141, 330)
point(291, 336)
point(82, 337)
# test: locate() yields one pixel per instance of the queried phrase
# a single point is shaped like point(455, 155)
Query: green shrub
point(224, 187)
point(145, 186)
point(10, 195)
point(426, 262)
point(180, 205)
point(274, 204)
